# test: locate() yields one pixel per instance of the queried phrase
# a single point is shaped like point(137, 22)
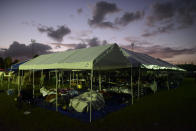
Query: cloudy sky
point(161, 28)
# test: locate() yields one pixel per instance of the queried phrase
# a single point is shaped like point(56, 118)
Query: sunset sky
point(164, 29)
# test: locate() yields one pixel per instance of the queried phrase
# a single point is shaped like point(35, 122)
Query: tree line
point(188, 67)
point(6, 63)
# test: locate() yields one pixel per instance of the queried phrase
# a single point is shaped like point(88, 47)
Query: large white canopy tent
point(105, 57)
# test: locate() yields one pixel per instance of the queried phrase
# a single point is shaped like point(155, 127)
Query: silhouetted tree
point(188, 67)
point(7, 62)
point(35, 56)
point(15, 61)
point(1, 62)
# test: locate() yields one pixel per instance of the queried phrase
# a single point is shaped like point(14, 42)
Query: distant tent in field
point(15, 67)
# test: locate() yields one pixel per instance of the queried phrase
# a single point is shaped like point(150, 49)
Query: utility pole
point(132, 46)
point(32, 42)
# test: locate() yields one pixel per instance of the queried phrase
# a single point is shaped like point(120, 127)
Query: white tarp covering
point(153, 86)
point(46, 92)
point(81, 103)
point(123, 90)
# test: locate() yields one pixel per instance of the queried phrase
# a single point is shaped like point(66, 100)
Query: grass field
point(166, 110)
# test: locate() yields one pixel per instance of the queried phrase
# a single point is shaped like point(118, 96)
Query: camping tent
point(15, 67)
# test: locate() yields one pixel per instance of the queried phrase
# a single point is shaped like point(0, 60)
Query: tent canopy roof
point(147, 61)
point(97, 58)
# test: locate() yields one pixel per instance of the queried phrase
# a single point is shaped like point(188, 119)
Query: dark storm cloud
point(57, 34)
point(178, 13)
point(105, 25)
point(168, 52)
point(158, 51)
point(93, 42)
point(59, 45)
point(186, 13)
point(70, 46)
point(129, 17)
point(104, 42)
point(101, 9)
point(159, 30)
point(17, 49)
point(137, 41)
point(161, 11)
point(79, 11)
point(90, 43)
point(84, 43)
point(80, 45)
point(2, 52)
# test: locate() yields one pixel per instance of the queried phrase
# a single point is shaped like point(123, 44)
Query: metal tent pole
point(131, 85)
point(22, 78)
point(73, 77)
point(33, 85)
point(8, 82)
point(99, 81)
point(56, 91)
point(155, 83)
point(1, 77)
point(109, 79)
point(49, 75)
point(167, 82)
point(62, 74)
point(18, 82)
point(59, 78)
point(77, 79)
point(91, 95)
point(138, 86)
point(42, 72)
point(29, 75)
point(70, 80)
point(42, 78)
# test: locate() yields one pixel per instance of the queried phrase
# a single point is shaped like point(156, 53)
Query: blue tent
point(15, 67)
